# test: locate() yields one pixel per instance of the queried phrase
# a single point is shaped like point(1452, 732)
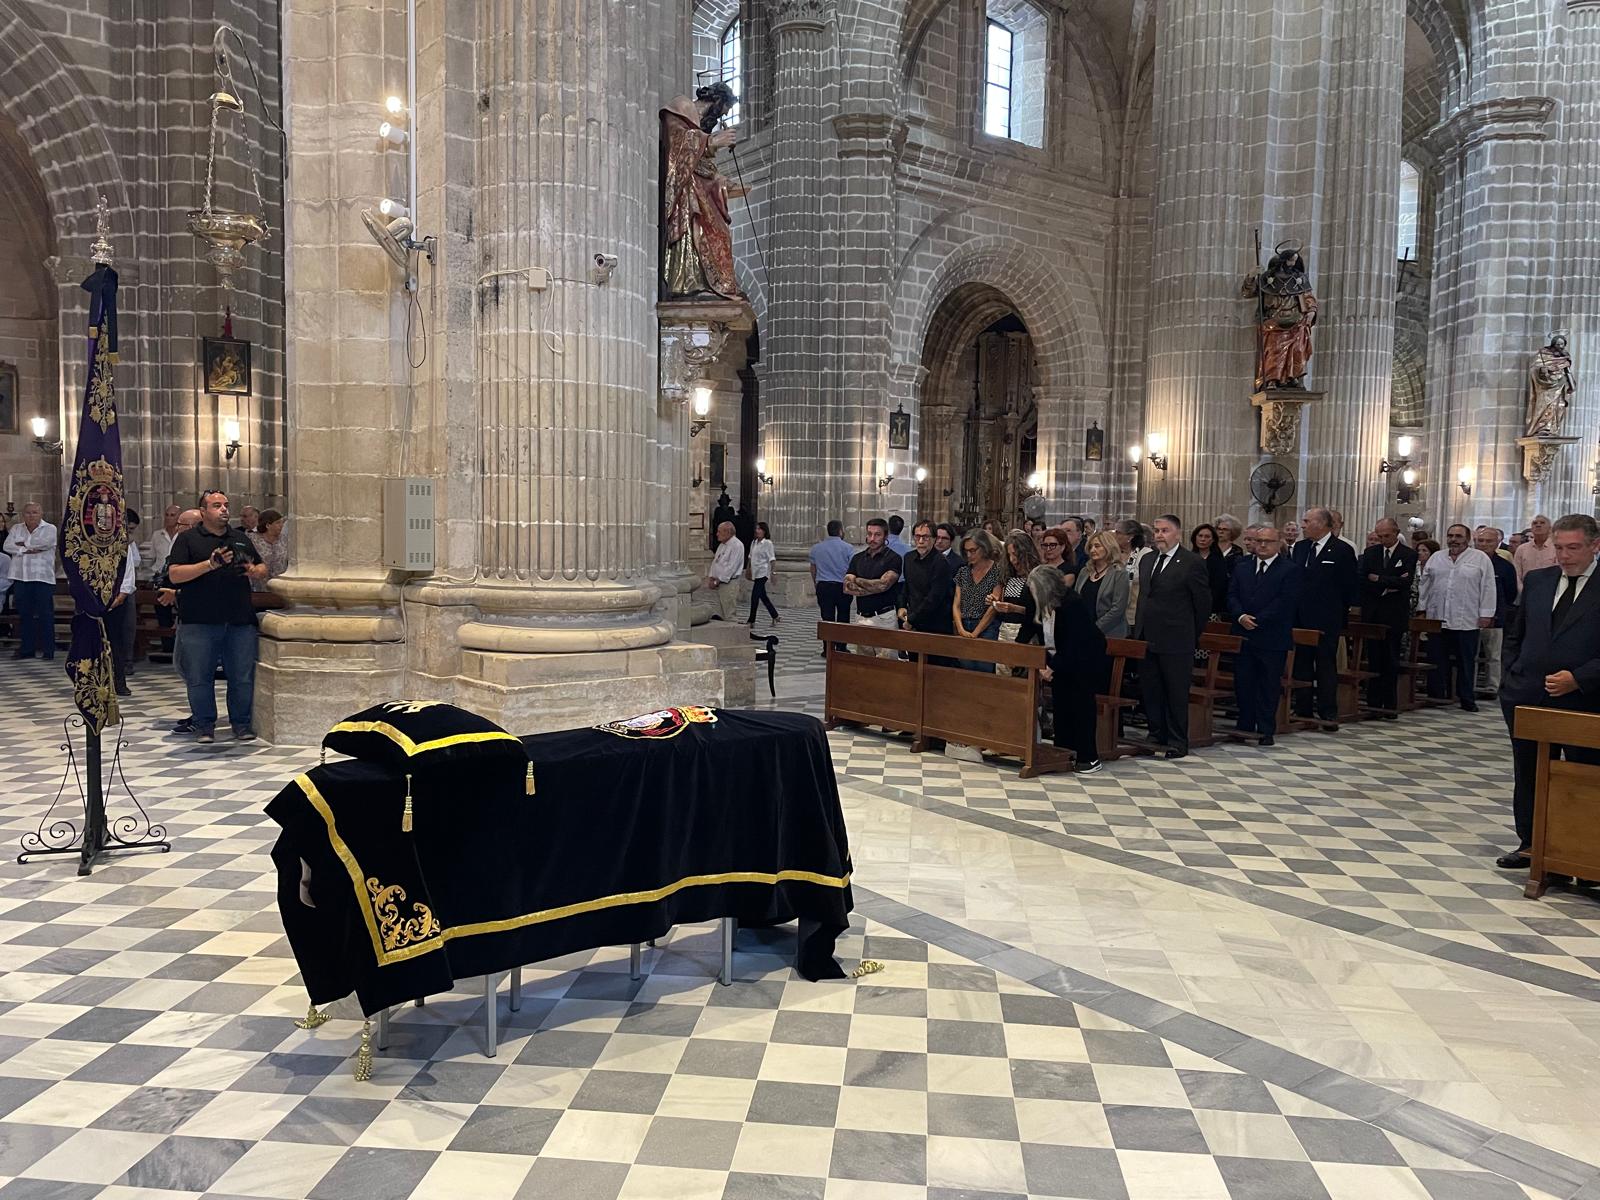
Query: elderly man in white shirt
point(726, 567)
point(32, 546)
point(1458, 590)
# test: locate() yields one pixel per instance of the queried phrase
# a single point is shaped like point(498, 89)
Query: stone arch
point(708, 22)
point(64, 134)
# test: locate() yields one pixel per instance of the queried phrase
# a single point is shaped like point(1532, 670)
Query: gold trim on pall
point(411, 747)
point(621, 900)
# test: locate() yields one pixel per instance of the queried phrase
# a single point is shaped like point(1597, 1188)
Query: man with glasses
point(928, 584)
point(947, 541)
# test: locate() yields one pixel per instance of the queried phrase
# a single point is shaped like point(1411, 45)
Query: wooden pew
point(1353, 676)
point(1566, 797)
point(1110, 706)
point(1413, 691)
point(998, 713)
point(1288, 720)
point(1207, 690)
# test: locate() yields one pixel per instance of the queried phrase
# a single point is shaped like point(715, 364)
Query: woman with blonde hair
point(1104, 585)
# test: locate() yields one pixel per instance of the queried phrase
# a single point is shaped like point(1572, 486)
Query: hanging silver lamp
point(225, 232)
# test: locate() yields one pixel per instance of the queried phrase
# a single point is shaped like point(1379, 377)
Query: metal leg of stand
point(516, 989)
point(420, 999)
point(635, 953)
point(491, 1017)
point(729, 924)
point(383, 1030)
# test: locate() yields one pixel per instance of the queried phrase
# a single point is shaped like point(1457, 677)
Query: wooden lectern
point(1566, 805)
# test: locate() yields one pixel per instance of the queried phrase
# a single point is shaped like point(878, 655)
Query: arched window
point(997, 82)
point(732, 72)
point(1410, 205)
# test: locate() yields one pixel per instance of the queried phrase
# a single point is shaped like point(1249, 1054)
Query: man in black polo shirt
point(927, 585)
point(212, 565)
point(871, 579)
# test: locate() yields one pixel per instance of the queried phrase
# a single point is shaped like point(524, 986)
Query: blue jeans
point(990, 634)
point(204, 646)
point(36, 603)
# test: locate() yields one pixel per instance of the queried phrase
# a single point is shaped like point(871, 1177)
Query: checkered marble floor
point(147, 1047)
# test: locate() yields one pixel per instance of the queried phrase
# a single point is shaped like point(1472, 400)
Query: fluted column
point(1201, 341)
point(1579, 311)
point(797, 410)
point(1348, 433)
point(569, 428)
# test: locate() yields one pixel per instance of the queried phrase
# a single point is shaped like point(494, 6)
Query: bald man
point(726, 567)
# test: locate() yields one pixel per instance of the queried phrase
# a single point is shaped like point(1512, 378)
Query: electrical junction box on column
point(408, 524)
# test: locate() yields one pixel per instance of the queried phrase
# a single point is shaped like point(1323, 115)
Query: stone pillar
point(1354, 273)
point(339, 648)
point(1493, 304)
point(1201, 340)
point(797, 408)
point(1569, 489)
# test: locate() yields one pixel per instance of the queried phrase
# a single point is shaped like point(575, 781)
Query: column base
point(304, 688)
point(736, 659)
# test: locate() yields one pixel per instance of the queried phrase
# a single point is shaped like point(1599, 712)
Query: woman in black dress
point(1075, 663)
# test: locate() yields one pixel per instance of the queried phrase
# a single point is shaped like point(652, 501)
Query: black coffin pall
point(631, 829)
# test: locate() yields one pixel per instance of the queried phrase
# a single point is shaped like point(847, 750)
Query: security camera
point(604, 265)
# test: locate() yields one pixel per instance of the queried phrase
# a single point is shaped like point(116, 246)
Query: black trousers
point(1383, 690)
point(121, 625)
point(833, 604)
point(1455, 659)
point(758, 595)
point(166, 617)
point(1320, 665)
point(1258, 684)
point(1072, 697)
point(1524, 766)
point(1164, 680)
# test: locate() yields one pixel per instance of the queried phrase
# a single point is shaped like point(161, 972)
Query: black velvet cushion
point(415, 735)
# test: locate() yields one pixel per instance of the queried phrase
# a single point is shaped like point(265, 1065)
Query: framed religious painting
point(900, 428)
point(1094, 442)
point(9, 383)
point(225, 366)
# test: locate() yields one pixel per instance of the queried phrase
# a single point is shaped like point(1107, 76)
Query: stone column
point(1201, 342)
point(1354, 275)
point(339, 648)
point(1569, 489)
point(797, 408)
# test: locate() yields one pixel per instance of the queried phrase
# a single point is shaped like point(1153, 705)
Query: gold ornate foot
point(364, 1054)
point(313, 1019)
point(869, 966)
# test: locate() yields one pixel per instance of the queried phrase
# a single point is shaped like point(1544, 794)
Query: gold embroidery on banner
point(450, 933)
point(102, 392)
point(93, 536)
point(399, 932)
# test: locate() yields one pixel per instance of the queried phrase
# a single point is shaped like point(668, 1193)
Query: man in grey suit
point(1174, 605)
point(1551, 658)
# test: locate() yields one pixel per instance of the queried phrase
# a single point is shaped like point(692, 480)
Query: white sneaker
point(1089, 768)
point(962, 752)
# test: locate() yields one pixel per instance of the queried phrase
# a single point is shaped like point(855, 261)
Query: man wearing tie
point(1262, 596)
point(1552, 659)
point(1387, 573)
point(1174, 605)
point(1326, 594)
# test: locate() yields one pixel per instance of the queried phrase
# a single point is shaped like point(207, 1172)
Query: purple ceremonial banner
point(94, 541)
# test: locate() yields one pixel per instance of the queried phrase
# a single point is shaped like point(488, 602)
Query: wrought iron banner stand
point(60, 835)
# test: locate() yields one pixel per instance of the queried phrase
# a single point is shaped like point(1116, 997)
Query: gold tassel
point(527, 783)
point(869, 966)
point(405, 819)
point(114, 357)
point(364, 1054)
point(312, 1019)
point(323, 760)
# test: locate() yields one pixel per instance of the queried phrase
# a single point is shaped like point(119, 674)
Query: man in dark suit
point(1387, 572)
point(1174, 604)
point(1326, 594)
point(1262, 596)
point(1552, 658)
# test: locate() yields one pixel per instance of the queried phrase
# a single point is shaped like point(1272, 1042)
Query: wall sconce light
point(1464, 480)
point(1402, 447)
point(888, 475)
point(696, 481)
point(1156, 451)
point(1033, 485)
point(921, 475)
point(702, 409)
point(1408, 486)
point(761, 472)
point(230, 434)
point(42, 441)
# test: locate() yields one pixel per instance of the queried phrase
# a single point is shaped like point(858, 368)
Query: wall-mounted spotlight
point(921, 475)
point(702, 410)
point(393, 134)
point(392, 208)
point(761, 472)
point(888, 475)
point(42, 441)
point(395, 106)
point(1408, 486)
point(1402, 449)
point(230, 436)
point(1033, 485)
point(1464, 480)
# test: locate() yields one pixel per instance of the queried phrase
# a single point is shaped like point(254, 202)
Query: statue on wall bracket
point(1286, 310)
point(696, 224)
point(1551, 384)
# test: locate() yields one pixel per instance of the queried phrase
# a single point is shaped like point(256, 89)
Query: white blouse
point(762, 555)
